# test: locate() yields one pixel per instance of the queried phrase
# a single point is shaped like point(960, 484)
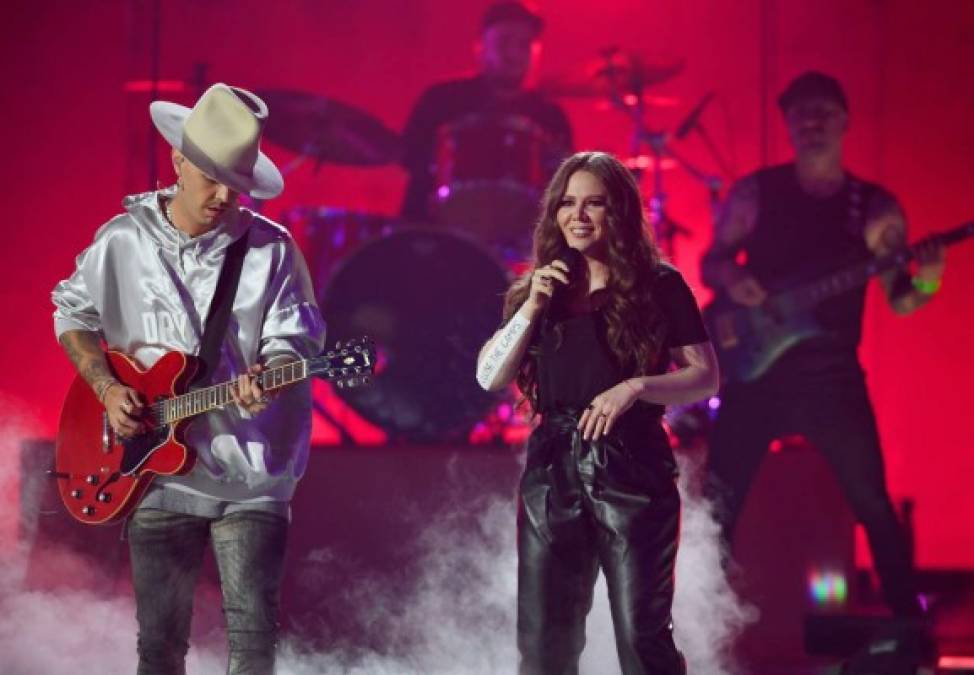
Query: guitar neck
point(850, 278)
point(843, 281)
point(204, 400)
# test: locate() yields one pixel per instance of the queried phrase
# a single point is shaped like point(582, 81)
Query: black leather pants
point(611, 503)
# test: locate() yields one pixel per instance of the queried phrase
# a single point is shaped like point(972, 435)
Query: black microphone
point(575, 262)
point(687, 125)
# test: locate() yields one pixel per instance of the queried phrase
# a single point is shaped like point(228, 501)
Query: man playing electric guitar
point(788, 224)
point(145, 287)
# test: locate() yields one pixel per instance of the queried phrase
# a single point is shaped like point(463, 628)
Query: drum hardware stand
point(631, 103)
point(692, 122)
point(322, 410)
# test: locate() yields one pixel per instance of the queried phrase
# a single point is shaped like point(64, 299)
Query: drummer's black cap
point(513, 11)
point(812, 84)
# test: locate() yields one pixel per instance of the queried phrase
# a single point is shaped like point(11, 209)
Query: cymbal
point(616, 72)
point(328, 130)
point(654, 100)
point(649, 163)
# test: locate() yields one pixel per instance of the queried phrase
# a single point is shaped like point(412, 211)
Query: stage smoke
point(707, 613)
point(451, 612)
point(457, 615)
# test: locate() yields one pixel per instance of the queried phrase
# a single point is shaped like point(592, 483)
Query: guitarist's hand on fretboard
point(931, 257)
point(248, 393)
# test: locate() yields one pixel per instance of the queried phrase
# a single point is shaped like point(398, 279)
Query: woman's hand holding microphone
point(543, 284)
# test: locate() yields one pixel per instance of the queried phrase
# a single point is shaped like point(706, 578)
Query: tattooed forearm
point(886, 232)
point(734, 223)
point(84, 349)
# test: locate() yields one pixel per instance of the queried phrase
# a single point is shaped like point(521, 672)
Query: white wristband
point(504, 346)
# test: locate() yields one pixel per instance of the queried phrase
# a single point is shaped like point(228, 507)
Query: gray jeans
point(166, 550)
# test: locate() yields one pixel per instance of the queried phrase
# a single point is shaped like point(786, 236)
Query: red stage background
point(74, 141)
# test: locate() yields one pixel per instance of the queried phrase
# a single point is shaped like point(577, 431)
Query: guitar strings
point(160, 411)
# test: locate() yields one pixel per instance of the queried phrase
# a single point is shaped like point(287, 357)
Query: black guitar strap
point(856, 223)
point(219, 314)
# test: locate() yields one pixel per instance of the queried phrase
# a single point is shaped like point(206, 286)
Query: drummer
point(507, 50)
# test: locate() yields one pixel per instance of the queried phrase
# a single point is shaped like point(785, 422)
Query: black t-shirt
point(449, 101)
point(799, 237)
point(579, 365)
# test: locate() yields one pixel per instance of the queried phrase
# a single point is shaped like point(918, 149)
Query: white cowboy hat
point(221, 136)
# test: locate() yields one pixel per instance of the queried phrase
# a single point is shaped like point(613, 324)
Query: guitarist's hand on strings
point(248, 393)
point(746, 290)
point(124, 409)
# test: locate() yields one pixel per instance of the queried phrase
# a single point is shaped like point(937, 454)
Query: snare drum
point(490, 172)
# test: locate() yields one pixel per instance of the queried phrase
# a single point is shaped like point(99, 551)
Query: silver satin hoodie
point(146, 288)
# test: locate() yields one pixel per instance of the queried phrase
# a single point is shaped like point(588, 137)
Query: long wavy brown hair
point(632, 318)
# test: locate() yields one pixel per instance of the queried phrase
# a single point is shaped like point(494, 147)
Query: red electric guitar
point(102, 477)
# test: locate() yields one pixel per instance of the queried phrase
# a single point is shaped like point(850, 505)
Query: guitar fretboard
point(210, 398)
point(809, 295)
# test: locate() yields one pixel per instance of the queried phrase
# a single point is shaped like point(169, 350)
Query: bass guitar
point(749, 340)
point(101, 476)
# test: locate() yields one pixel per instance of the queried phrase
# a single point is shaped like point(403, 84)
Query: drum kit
point(430, 295)
point(490, 171)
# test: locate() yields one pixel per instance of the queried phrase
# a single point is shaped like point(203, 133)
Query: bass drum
point(430, 299)
point(328, 234)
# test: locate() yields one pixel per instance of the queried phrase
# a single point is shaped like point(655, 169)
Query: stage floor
point(399, 556)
